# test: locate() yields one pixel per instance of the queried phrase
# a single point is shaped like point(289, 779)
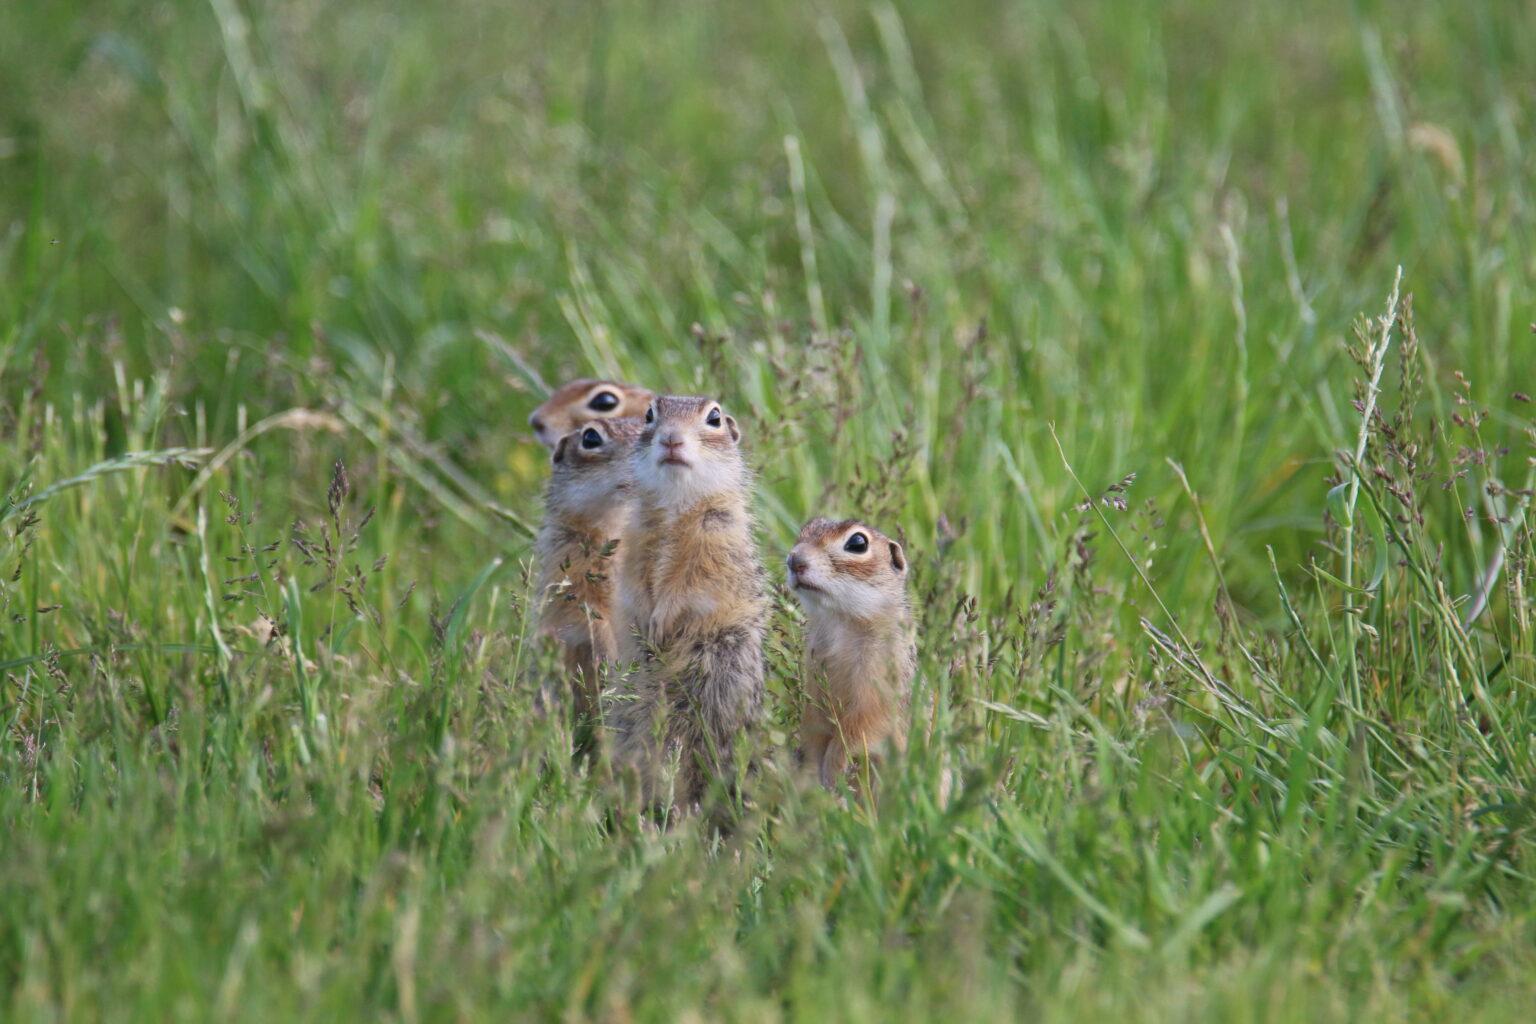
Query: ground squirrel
point(851, 579)
point(692, 603)
point(581, 400)
point(578, 552)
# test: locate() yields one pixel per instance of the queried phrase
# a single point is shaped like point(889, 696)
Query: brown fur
point(693, 609)
point(579, 560)
point(860, 655)
point(571, 406)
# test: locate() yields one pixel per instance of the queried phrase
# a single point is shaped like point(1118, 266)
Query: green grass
point(1237, 740)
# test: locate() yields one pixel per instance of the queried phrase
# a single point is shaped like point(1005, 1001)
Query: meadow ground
point(1220, 536)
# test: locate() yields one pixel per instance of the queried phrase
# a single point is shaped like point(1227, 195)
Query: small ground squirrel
point(582, 400)
point(860, 656)
point(578, 551)
point(692, 603)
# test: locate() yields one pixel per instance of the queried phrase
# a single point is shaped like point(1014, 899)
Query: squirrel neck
point(722, 511)
point(572, 516)
point(594, 529)
point(892, 624)
point(862, 655)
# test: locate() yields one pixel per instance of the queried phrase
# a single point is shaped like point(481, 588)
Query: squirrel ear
point(898, 560)
point(730, 424)
point(558, 455)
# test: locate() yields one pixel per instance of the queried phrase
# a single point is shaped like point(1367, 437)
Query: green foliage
point(1219, 532)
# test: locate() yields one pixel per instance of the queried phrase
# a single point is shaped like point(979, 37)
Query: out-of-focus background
point(1218, 529)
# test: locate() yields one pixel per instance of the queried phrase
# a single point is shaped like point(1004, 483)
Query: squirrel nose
point(536, 423)
point(796, 564)
point(671, 442)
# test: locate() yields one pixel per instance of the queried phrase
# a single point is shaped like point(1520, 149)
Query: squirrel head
point(581, 400)
point(848, 568)
point(590, 470)
point(688, 450)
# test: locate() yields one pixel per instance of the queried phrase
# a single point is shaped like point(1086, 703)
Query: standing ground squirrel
point(692, 603)
point(582, 400)
point(860, 656)
point(578, 552)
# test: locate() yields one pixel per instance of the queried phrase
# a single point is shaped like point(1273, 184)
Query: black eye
point(650, 414)
point(713, 419)
point(591, 438)
point(858, 544)
point(604, 401)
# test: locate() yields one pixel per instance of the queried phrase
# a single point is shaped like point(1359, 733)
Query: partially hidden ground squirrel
point(692, 604)
point(860, 656)
point(578, 552)
point(581, 400)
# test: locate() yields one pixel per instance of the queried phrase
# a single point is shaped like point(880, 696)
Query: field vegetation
point(1186, 346)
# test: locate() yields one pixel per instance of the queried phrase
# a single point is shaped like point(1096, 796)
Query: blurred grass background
point(248, 775)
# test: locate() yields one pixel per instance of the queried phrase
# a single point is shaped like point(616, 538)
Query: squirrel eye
point(604, 401)
point(713, 419)
point(858, 544)
point(591, 438)
point(650, 414)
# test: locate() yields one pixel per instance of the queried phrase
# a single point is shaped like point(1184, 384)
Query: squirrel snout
point(536, 423)
point(797, 564)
